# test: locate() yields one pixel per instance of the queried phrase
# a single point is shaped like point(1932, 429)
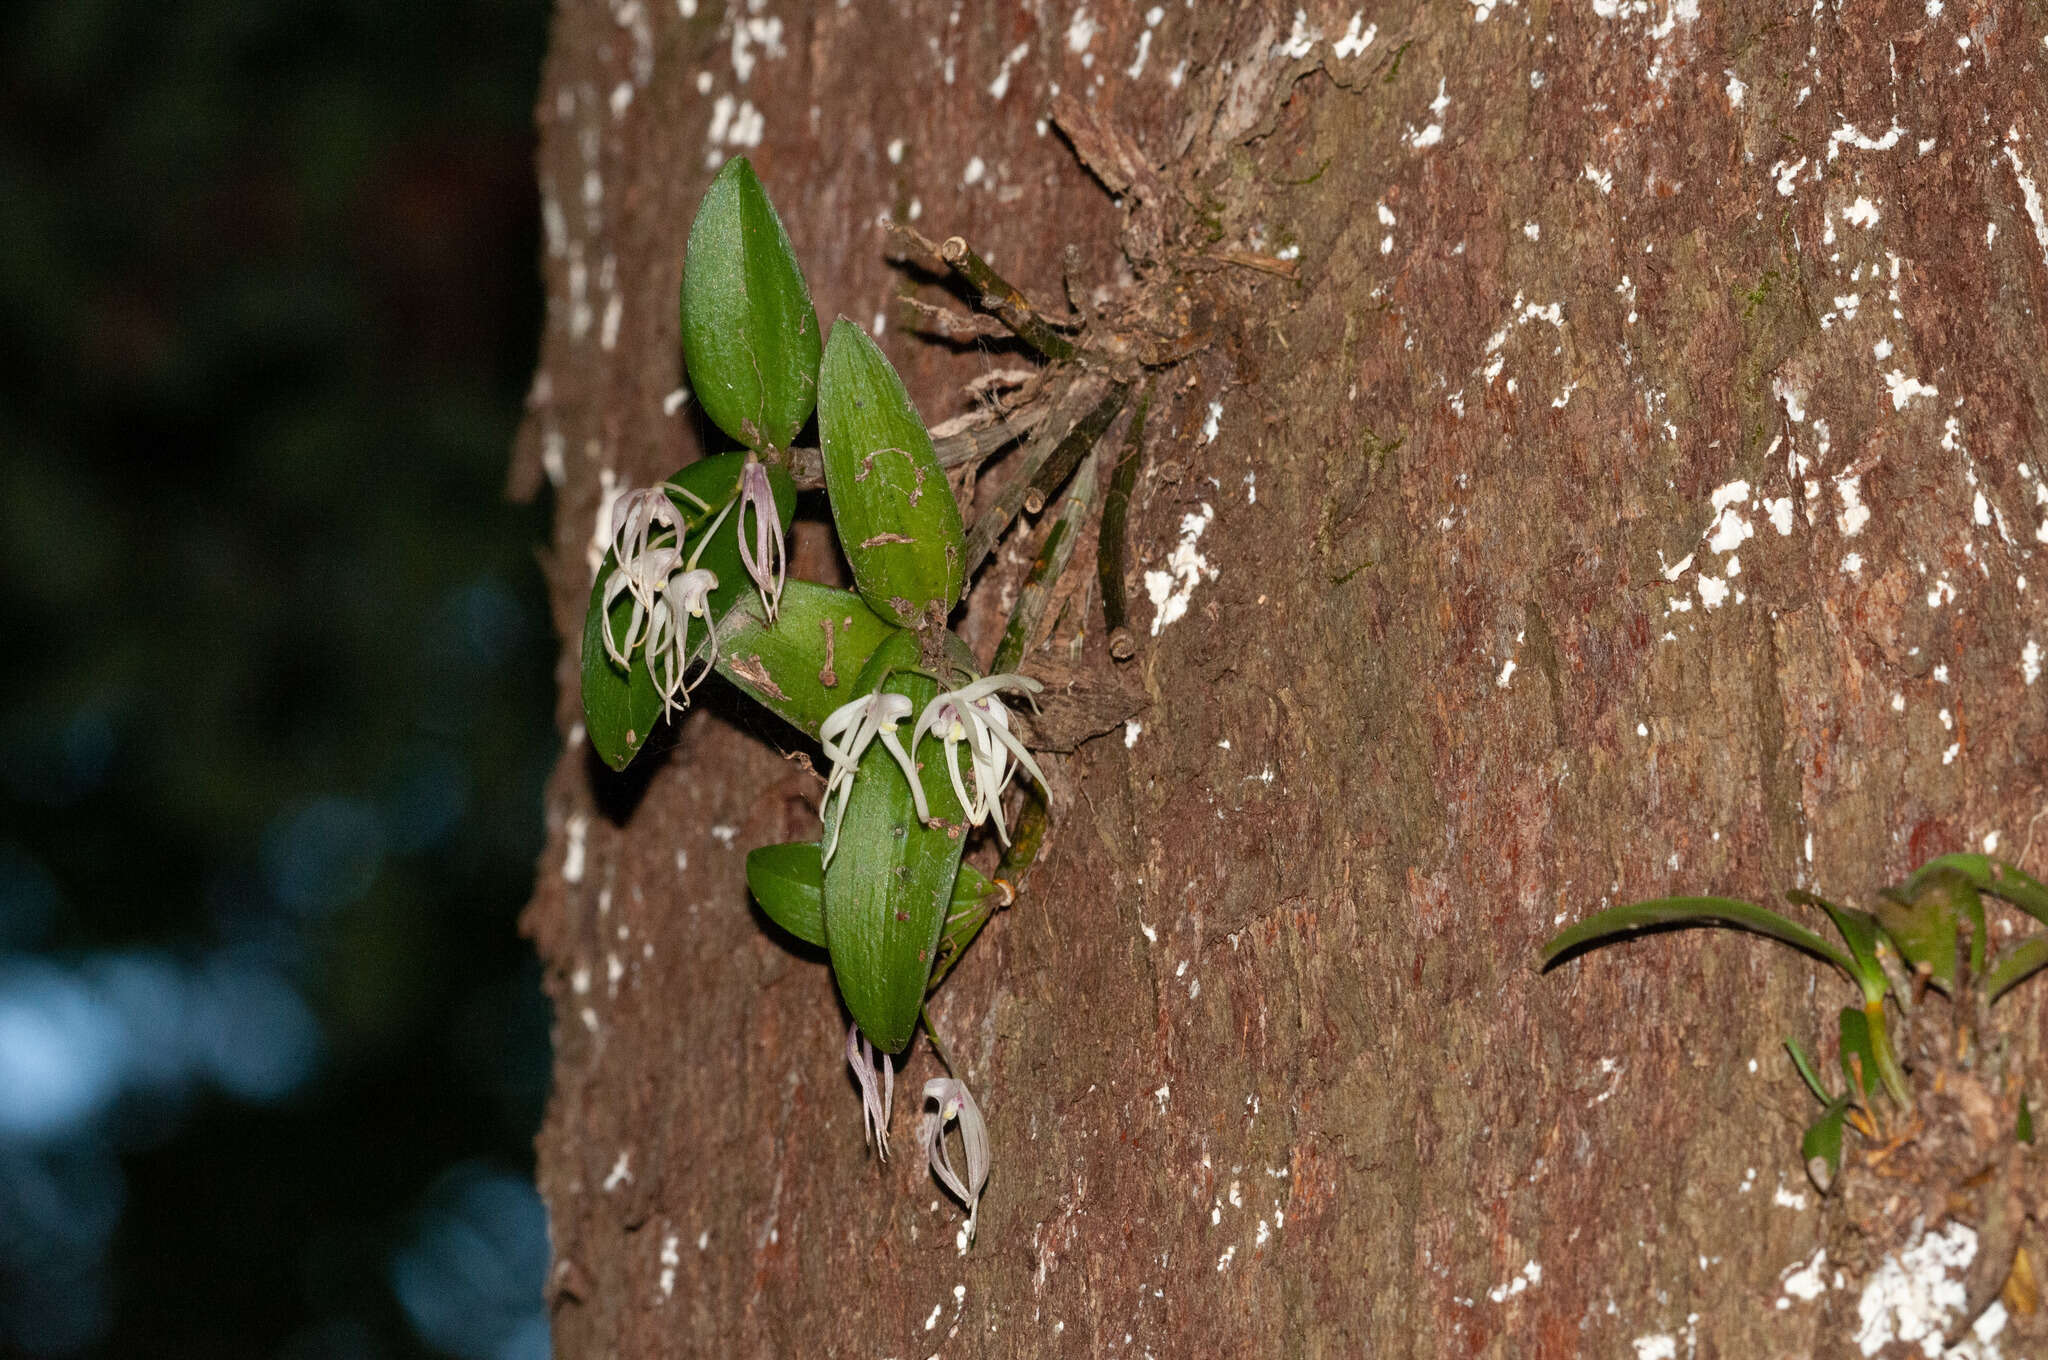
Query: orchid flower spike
point(644, 576)
point(762, 551)
point(685, 597)
point(846, 736)
point(860, 1056)
point(975, 715)
point(956, 1103)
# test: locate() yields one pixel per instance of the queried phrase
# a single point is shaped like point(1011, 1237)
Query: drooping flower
point(875, 1107)
point(686, 596)
point(762, 551)
point(955, 1102)
point(846, 736)
point(975, 715)
point(644, 576)
point(641, 519)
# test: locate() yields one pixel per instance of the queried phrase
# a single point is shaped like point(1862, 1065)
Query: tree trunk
point(1610, 464)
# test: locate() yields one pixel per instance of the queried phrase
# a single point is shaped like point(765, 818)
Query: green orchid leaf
point(1926, 927)
point(889, 883)
point(2023, 1127)
point(1695, 911)
point(897, 520)
point(1858, 1055)
point(1986, 874)
point(750, 334)
point(622, 706)
point(1821, 1147)
point(802, 666)
point(789, 882)
point(1860, 931)
point(2015, 966)
point(1806, 1072)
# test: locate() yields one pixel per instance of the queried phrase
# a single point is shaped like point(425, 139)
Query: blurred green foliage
point(279, 682)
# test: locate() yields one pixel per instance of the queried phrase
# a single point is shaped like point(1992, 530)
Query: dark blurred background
point(275, 708)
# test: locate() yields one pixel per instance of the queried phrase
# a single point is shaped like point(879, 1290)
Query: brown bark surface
point(1639, 489)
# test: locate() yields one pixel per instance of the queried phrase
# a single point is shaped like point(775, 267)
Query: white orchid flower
point(955, 1102)
point(846, 736)
point(686, 596)
point(644, 576)
point(762, 552)
point(875, 1108)
point(973, 714)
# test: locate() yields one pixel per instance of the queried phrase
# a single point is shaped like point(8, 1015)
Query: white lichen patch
point(576, 831)
point(1358, 35)
point(1531, 1276)
point(1914, 1293)
point(1172, 588)
point(1803, 1281)
point(1855, 514)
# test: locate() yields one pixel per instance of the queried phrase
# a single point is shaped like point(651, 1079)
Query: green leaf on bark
point(897, 520)
point(750, 334)
point(803, 665)
point(890, 882)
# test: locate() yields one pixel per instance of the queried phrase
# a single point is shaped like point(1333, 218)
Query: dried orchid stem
point(1047, 569)
point(1006, 302)
point(1116, 508)
point(1043, 472)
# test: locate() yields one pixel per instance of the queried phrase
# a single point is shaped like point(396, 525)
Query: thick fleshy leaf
point(1821, 1147)
point(1927, 926)
point(1990, 875)
point(622, 706)
point(1695, 911)
point(750, 334)
point(1858, 1055)
point(803, 665)
point(1859, 930)
point(2015, 966)
point(898, 523)
point(1806, 1072)
point(890, 882)
point(789, 882)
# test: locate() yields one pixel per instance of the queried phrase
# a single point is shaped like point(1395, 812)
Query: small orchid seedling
point(1942, 1102)
point(696, 580)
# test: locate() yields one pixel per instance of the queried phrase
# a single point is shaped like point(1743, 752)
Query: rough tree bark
point(1632, 482)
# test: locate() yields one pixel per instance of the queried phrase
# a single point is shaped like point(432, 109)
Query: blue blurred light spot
point(28, 897)
point(54, 761)
point(62, 1052)
point(323, 855)
point(470, 1278)
point(250, 1031)
point(148, 993)
point(428, 803)
point(487, 619)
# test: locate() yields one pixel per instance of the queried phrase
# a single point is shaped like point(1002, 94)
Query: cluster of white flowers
point(972, 715)
point(667, 590)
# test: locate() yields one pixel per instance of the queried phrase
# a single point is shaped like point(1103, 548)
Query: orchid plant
point(695, 581)
point(1926, 933)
